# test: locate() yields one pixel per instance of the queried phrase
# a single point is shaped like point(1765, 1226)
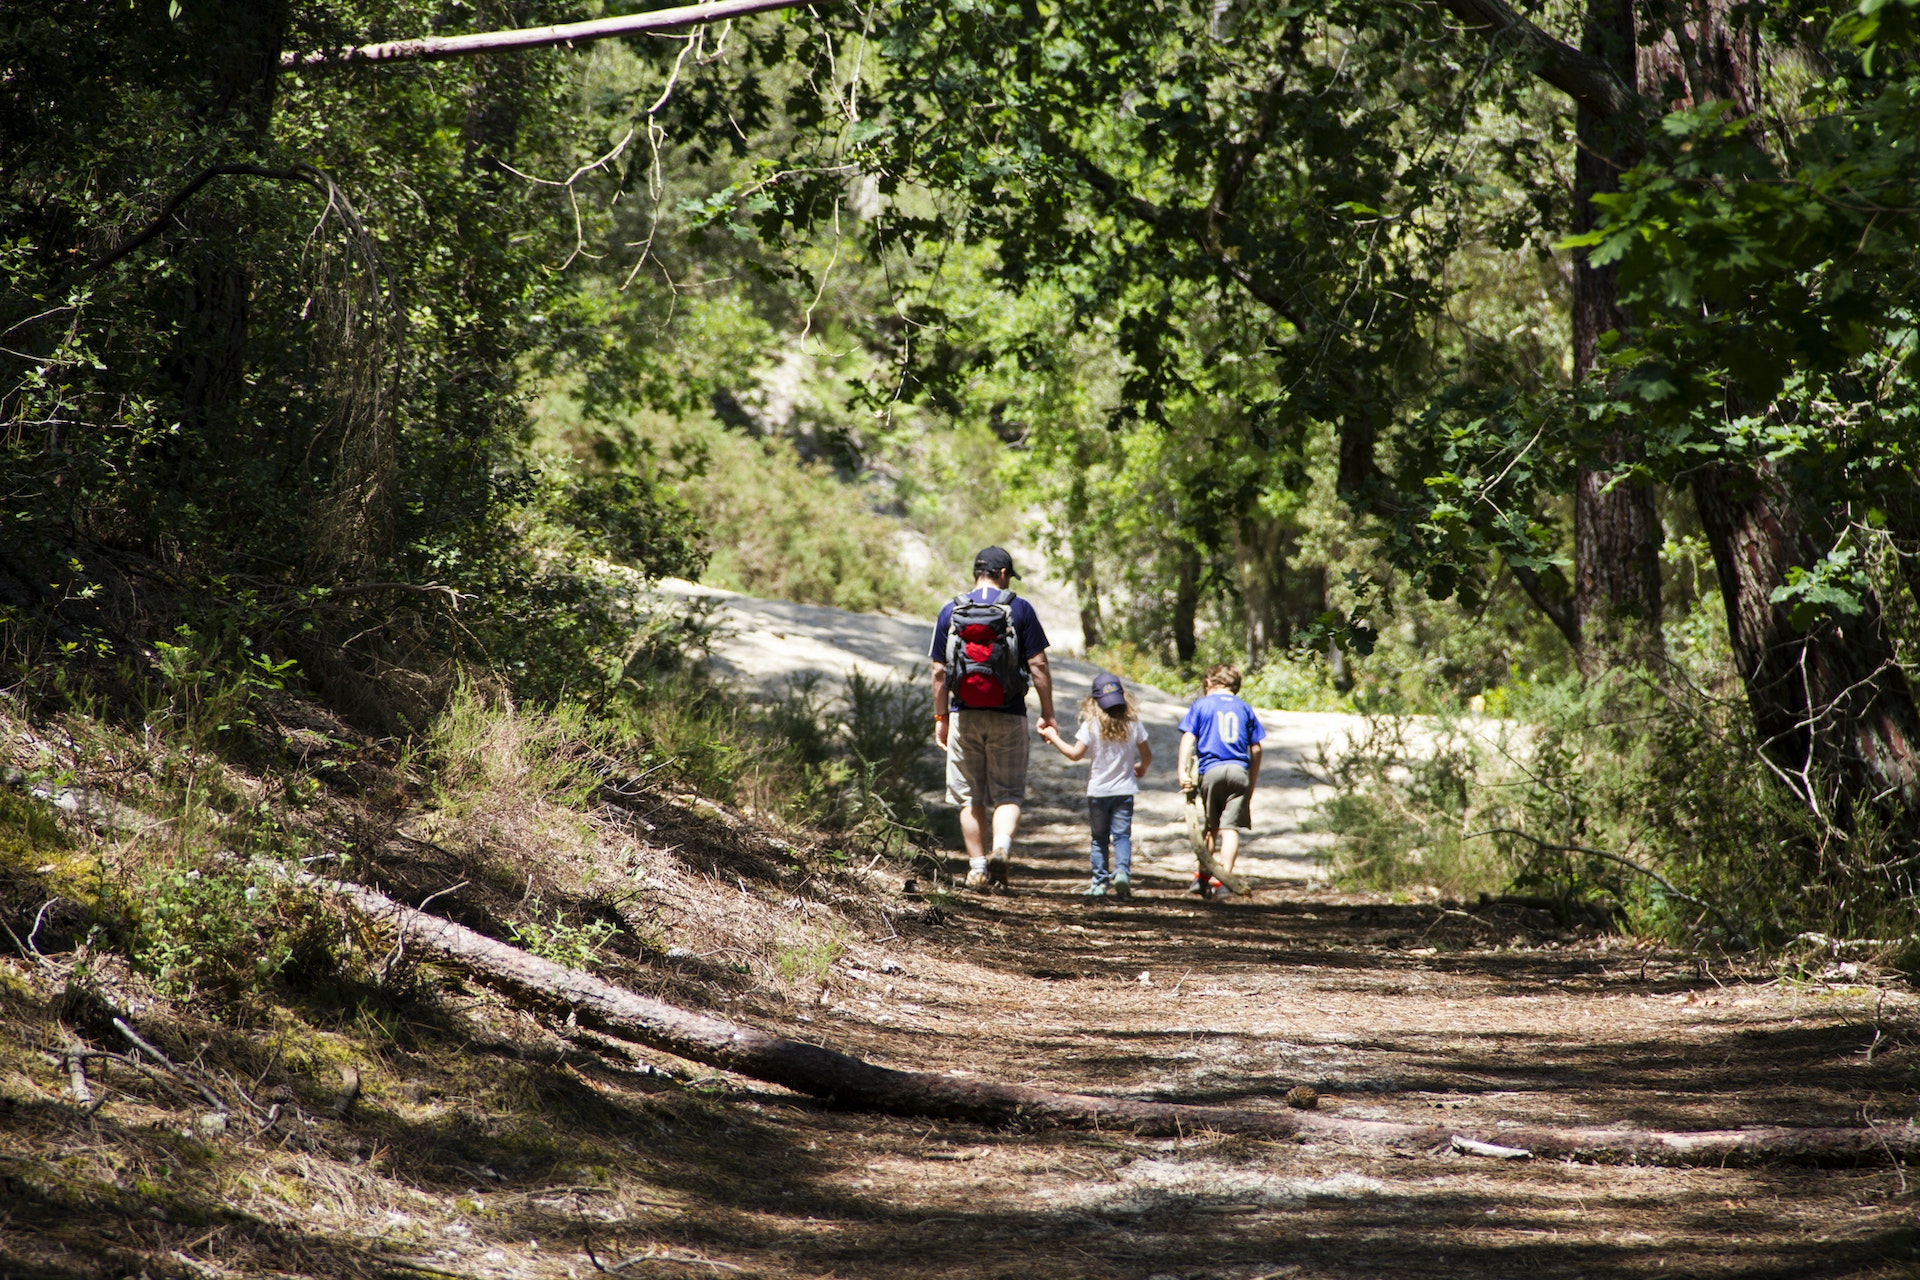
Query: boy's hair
point(1225, 676)
point(1115, 725)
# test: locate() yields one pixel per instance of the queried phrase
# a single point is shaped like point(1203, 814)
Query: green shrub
point(226, 926)
point(1408, 800)
point(557, 939)
point(1640, 792)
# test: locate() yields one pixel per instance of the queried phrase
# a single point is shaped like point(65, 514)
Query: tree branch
point(431, 48)
point(1582, 77)
point(1236, 162)
point(299, 173)
point(1187, 224)
point(1559, 611)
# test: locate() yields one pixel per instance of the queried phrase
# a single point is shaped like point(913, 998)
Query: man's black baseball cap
point(993, 560)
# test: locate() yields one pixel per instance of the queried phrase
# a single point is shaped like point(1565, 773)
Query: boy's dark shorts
point(1223, 793)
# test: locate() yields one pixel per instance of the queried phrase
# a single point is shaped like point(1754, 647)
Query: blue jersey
point(1225, 728)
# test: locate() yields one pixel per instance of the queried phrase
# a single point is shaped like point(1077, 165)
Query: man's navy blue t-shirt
point(1026, 625)
point(1225, 728)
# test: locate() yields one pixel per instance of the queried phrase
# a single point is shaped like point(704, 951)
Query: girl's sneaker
point(1097, 889)
point(1120, 888)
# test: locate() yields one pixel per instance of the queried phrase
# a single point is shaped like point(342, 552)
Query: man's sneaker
point(978, 880)
point(1119, 887)
point(997, 870)
point(1097, 889)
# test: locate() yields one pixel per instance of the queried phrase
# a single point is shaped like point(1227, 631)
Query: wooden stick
point(433, 48)
point(77, 1074)
point(849, 1081)
point(161, 1059)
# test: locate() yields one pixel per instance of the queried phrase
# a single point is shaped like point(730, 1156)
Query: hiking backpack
point(984, 665)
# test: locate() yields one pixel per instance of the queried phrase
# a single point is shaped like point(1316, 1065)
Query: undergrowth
point(1640, 795)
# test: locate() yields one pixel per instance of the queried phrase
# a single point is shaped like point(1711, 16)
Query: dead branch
point(77, 1074)
point(161, 1059)
point(845, 1080)
point(429, 48)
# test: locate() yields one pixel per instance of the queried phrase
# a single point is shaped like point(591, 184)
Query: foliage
point(225, 927)
point(558, 939)
point(862, 759)
point(1405, 810)
point(293, 416)
point(1644, 793)
point(811, 957)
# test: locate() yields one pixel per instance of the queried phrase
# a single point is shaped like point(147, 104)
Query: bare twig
point(161, 1059)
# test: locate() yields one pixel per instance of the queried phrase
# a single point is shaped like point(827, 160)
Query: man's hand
point(1046, 724)
point(1043, 685)
point(940, 732)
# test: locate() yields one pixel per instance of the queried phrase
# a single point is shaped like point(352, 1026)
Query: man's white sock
point(977, 864)
point(1002, 846)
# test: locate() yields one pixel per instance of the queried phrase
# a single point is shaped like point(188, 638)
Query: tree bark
point(1616, 531)
point(845, 1080)
point(1832, 706)
point(1186, 604)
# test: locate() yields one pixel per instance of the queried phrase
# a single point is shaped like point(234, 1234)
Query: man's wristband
point(938, 716)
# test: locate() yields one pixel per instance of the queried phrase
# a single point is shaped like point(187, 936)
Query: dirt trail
point(1389, 1010)
point(769, 641)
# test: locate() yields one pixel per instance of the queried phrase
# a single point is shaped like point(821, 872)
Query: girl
point(1110, 728)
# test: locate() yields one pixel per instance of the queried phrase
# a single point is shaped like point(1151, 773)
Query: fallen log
point(845, 1080)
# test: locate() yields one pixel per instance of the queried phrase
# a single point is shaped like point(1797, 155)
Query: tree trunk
point(1086, 582)
point(1833, 708)
point(849, 1081)
point(1616, 532)
point(1186, 604)
point(239, 43)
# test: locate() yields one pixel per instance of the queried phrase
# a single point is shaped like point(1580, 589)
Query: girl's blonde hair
point(1115, 726)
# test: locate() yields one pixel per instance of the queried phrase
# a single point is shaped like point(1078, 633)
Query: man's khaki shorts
point(1223, 792)
point(987, 758)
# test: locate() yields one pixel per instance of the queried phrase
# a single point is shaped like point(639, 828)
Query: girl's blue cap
point(1107, 691)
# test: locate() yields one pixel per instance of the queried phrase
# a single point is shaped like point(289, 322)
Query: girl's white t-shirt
point(1112, 761)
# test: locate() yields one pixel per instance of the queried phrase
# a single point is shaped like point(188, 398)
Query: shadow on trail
point(1220, 1211)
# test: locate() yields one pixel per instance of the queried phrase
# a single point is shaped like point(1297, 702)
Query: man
point(988, 647)
point(1220, 755)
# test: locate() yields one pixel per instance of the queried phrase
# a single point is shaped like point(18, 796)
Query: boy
point(1225, 735)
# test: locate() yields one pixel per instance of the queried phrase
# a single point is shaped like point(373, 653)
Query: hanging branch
point(433, 48)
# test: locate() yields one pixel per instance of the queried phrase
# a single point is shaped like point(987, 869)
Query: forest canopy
point(1558, 356)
